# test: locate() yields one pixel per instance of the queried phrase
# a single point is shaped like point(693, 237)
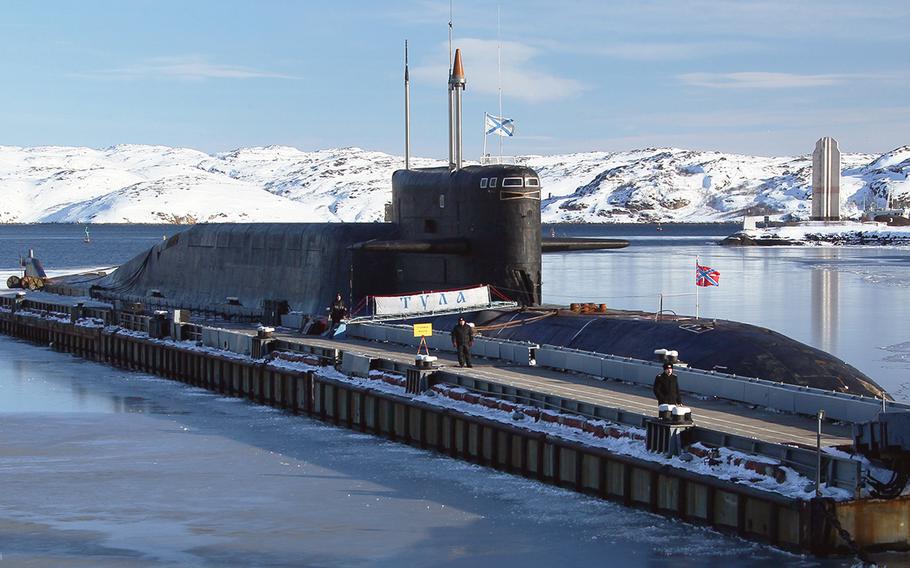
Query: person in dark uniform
point(463, 340)
point(337, 312)
point(666, 387)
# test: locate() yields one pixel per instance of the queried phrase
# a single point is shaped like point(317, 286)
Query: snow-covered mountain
point(156, 184)
point(668, 184)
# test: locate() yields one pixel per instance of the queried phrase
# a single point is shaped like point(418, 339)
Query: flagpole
point(696, 287)
point(484, 155)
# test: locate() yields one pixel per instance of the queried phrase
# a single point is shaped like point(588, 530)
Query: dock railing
point(775, 395)
point(519, 352)
point(780, 396)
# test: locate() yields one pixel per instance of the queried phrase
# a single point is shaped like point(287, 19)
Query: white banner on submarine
point(432, 301)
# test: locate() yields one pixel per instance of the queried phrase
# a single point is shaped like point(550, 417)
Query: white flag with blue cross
point(498, 125)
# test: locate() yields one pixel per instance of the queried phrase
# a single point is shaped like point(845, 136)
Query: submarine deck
point(716, 414)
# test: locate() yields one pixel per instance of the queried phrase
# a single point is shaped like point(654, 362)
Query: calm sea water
point(61, 246)
point(104, 467)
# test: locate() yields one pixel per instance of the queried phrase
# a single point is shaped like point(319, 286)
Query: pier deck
point(716, 414)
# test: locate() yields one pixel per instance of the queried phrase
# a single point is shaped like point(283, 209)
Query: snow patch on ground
point(846, 232)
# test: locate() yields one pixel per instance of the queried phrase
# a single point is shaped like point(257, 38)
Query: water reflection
point(49, 384)
point(133, 404)
point(824, 281)
point(850, 302)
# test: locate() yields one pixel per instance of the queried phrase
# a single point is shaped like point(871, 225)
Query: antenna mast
point(499, 67)
point(407, 111)
point(451, 18)
point(451, 95)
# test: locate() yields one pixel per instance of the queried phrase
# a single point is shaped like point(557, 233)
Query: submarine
point(446, 228)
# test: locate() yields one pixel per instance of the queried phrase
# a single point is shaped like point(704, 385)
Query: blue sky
point(767, 78)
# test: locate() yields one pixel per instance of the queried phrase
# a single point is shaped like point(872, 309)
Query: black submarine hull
point(202, 267)
point(720, 345)
point(565, 244)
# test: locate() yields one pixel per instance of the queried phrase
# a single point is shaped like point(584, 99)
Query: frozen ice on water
point(195, 391)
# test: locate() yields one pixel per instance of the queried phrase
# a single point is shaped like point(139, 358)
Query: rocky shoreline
point(840, 234)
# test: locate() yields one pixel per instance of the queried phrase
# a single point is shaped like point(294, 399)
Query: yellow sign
point(423, 329)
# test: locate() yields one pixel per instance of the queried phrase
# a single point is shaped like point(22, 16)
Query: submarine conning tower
point(488, 215)
point(462, 226)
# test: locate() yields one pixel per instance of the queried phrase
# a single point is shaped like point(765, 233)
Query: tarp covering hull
point(304, 264)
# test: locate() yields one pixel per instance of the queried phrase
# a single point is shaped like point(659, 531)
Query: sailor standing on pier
point(463, 340)
point(666, 387)
point(337, 312)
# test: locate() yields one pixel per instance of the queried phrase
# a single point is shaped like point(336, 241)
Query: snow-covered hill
point(667, 184)
point(155, 184)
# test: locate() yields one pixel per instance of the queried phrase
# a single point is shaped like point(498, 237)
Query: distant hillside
point(157, 184)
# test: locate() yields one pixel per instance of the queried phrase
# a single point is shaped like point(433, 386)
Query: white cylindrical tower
point(826, 180)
